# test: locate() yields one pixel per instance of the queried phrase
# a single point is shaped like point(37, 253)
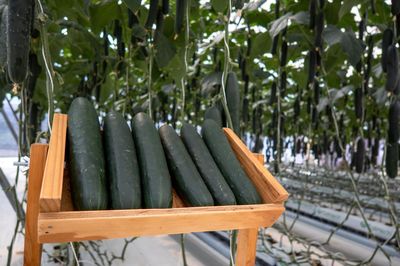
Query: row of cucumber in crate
point(127, 170)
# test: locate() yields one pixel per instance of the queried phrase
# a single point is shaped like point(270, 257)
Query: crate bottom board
point(68, 226)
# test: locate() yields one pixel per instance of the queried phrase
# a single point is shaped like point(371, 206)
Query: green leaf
point(209, 83)
point(347, 6)
point(332, 35)
point(279, 24)
point(133, 5)
point(352, 47)
point(301, 17)
point(165, 50)
point(261, 45)
point(219, 5)
point(102, 13)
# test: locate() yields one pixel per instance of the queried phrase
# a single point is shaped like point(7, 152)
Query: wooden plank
point(259, 157)
point(246, 247)
point(32, 249)
point(92, 225)
point(268, 187)
point(50, 196)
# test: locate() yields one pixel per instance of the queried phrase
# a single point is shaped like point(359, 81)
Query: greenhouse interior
point(199, 132)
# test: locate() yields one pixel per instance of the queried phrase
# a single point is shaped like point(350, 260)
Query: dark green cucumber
point(395, 8)
point(360, 156)
point(3, 41)
point(156, 181)
point(121, 163)
point(165, 7)
point(392, 68)
point(214, 113)
point(233, 100)
point(284, 50)
point(387, 40)
point(152, 16)
point(393, 121)
point(208, 169)
point(181, 6)
point(239, 182)
point(187, 179)
point(18, 38)
point(392, 158)
point(88, 180)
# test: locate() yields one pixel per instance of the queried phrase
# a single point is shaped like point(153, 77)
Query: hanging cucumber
point(233, 100)
point(121, 163)
point(358, 103)
point(156, 181)
point(214, 113)
point(223, 155)
point(395, 7)
point(392, 159)
point(88, 180)
point(284, 50)
point(208, 169)
point(187, 179)
point(165, 7)
point(394, 115)
point(181, 6)
point(319, 27)
point(392, 68)
point(272, 99)
point(360, 156)
point(18, 38)
point(152, 15)
point(312, 9)
point(387, 40)
point(3, 41)
point(312, 63)
point(283, 82)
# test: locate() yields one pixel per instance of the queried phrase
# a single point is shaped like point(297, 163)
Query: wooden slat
point(268, 187)
point(259, 157)
point(50, 196)
point(246, 247)
point(92, 225)
point(32, 249)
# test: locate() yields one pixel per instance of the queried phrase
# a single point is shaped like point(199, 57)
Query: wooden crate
point(52, 218)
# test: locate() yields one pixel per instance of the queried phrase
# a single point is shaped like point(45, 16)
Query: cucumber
point(233, 100)
point(156, 181)
point(3, 41)
point(187, 179)
point(223, 155)
point(392, 68)
point(165, 7)
point(88, 180)
point(181, 6)
point(284, 49)
point(387, 40)
point(392, 158)
point(360, 156)
point(214, 113)
point(208, 169)
point(18, 38)
point(393, 121)
point(121, 163)
point(152, 16)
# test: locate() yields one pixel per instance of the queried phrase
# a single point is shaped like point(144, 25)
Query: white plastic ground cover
point(339, 193)
point(380, 230)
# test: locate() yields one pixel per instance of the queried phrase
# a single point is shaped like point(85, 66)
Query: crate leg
point(246, 247)
point(33, 249)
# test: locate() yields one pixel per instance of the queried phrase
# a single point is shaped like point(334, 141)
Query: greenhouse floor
point(160, 250)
